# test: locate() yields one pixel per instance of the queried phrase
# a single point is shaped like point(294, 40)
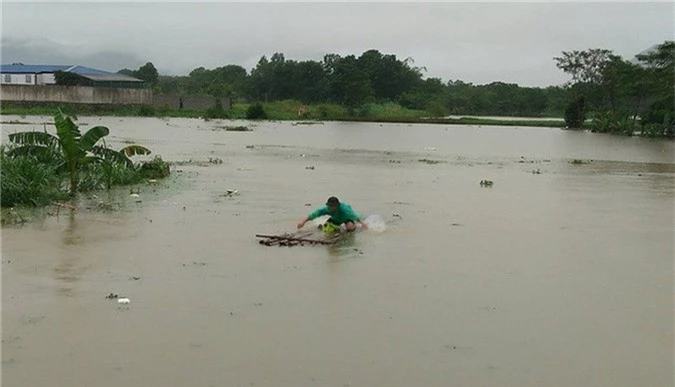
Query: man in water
point(340, 213)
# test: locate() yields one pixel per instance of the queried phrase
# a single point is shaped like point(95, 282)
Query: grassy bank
point(279, 111)
point(47, 109)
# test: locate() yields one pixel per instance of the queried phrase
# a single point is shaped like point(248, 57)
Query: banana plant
point(70, 150)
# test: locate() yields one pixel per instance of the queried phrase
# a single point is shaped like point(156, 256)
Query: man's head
point(333, 203)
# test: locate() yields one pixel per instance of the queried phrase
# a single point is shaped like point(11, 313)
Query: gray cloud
point(474, 42)
point(45, 51)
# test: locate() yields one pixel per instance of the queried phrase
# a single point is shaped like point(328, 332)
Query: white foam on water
point(375, 223)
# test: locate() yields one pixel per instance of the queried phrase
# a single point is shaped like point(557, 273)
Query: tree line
point(620, 96)
point(353, 81)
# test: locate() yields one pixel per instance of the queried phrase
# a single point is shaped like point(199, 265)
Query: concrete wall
point(75, 94)
point(105, 96)
point(198, 102)
point(170, 101)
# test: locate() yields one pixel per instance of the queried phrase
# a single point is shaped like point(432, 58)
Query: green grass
point(28, 182)
point(285, 111)
point(388, 110)
point(490, 121)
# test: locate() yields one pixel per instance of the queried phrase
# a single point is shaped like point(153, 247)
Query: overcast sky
point(478, 42)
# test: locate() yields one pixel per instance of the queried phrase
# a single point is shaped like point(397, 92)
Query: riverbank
point(288, 111)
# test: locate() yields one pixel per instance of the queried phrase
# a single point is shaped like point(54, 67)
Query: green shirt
point(342, 214)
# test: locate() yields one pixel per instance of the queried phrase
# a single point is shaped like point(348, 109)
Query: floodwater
point(557, 278)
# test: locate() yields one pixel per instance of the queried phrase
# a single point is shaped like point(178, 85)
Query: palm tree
point(70, 150)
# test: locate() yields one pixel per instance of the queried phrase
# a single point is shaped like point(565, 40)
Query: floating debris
point(230, 192)
point(236, 128)
point(104, 206)
point(536, 171)
point(299, 239)
point(486, 183)
point(307, 123)
point(111, 296)
point(123, 301)
point(310, 167)
point(428, 161)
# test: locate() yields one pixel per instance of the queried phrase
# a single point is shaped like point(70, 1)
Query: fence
point(106, 96)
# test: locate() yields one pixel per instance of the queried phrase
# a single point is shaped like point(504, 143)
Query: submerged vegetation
point(39, 168)
point(622, 97)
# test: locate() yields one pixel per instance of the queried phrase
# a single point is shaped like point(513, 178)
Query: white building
point(21, 74)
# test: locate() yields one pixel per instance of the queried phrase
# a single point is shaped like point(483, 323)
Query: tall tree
point(586, 68)
point(349, 84)
point(66, 78)
point(148, 73)
point(659, 65)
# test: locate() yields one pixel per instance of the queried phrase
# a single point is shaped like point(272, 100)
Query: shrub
point(216, 111)
point(436, 108)
point(146, 111)
point(256, 112)
point(365, 111)
point(26, 181)
point(154, 169)
point(574, 114)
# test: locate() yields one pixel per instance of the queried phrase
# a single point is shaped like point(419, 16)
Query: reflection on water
point(67, 271)
point(70, 234)
point(345, 248)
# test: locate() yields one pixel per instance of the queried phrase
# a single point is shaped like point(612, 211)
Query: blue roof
point(88, 71)
point(36, 69)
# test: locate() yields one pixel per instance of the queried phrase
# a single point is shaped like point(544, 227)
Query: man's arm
point(351, 214)
point(302, 222)
point(313, 215)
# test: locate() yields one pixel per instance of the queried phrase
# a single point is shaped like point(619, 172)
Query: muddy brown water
point(557, 278)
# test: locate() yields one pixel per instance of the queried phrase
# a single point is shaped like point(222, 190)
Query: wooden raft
point(298, 239)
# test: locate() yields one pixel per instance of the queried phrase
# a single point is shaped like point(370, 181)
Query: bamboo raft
point(298, 239)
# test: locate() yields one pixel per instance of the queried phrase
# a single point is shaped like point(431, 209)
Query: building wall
point(75, 94)
point(17, 79)
point(45, 79)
